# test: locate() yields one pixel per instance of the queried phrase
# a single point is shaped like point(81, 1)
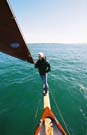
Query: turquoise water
point(21, 89)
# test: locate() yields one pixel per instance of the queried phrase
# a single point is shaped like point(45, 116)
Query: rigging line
point(60, 113)
point(37, 109)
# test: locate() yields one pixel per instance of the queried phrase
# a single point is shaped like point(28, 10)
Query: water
point(21, 89)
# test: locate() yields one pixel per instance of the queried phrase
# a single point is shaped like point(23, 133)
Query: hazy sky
point(61, 21)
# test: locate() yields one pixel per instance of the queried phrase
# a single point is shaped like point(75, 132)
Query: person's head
point(41, 56)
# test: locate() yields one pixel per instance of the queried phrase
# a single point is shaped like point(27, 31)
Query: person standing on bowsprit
point(43, 68)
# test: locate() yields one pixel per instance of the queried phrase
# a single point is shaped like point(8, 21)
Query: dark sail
point(11, 39)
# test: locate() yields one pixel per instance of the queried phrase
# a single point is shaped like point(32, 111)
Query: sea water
point(21, 98)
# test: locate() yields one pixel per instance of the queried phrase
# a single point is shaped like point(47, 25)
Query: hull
point(53, 127)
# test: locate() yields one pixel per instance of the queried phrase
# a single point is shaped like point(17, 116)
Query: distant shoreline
point(58, 43)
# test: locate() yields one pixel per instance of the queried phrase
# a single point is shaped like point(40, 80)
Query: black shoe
point(44, 93)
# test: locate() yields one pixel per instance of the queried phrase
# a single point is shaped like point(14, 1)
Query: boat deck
point(47, 101)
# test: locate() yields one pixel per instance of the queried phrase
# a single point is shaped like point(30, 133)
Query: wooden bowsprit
point(48, 123)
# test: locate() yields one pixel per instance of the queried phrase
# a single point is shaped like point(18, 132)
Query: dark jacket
point(43, 66)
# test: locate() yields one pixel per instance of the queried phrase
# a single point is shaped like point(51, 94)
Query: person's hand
point(34, 62)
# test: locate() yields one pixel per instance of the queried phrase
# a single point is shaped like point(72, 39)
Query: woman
point(43, 68)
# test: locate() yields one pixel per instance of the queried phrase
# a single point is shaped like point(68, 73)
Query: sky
point(51, 21)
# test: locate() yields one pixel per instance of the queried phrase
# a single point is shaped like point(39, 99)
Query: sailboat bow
point(54, 127)
point(49, 125)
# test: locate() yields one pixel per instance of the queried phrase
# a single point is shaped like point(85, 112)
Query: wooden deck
point(47, 101)
point(48, 127)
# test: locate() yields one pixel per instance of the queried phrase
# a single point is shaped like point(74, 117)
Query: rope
point(37, 109)
point(60, 113)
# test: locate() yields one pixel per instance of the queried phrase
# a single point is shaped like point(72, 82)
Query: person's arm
point(48, 67)
point(36, 64)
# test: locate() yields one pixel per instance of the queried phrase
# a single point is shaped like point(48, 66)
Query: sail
point(11, 39)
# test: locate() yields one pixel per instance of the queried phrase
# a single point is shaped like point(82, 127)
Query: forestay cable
point(37, 109)
point(60, 113)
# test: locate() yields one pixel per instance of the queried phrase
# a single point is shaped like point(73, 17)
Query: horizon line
point(53, 43)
